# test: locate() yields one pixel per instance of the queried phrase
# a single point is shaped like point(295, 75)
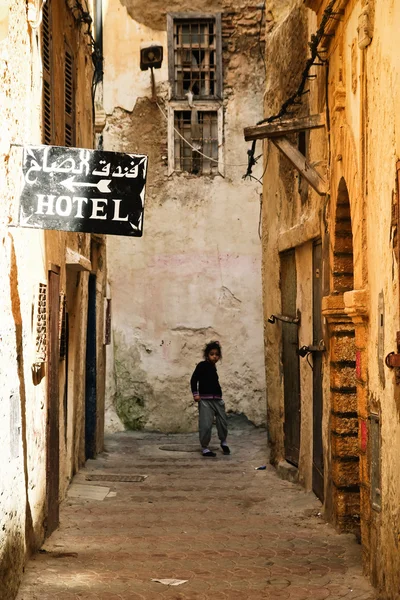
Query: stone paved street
point(233, 532)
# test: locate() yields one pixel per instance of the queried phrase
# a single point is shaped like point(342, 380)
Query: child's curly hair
point(213, 345)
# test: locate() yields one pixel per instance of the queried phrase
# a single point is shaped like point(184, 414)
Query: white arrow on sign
point(23, 220)
point(71, 184)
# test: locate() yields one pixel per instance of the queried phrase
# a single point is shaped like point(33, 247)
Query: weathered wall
point(382, 65)
point(195, 275)
point(291, 219)
point(25, 258)
point(364, 78)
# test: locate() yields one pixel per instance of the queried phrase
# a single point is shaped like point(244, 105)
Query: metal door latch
point(304, 350)
point(392, 360)
point(285, 319)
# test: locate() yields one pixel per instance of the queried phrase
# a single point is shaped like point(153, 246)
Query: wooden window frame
point(200, 103)
point(172, 18)
point(200, 106)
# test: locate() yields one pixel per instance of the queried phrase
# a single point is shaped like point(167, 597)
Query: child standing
point(207, 392)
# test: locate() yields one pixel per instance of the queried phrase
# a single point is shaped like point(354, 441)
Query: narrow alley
point(229, 530)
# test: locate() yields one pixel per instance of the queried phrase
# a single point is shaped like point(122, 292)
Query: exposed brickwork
point(344, 427)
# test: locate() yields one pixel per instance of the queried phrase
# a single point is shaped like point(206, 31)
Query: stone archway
point(343, 429)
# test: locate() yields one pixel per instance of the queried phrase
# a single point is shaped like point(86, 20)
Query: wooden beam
point(269, 130)
point(299, 161)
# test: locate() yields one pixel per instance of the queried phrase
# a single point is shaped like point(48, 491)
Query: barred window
point(200, 129)
point(195, 123)
point(195, 60)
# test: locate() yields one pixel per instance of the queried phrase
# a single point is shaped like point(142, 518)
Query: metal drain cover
point(179, 448)
point(122, 478)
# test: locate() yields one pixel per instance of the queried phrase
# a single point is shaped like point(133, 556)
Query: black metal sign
point(91, 191)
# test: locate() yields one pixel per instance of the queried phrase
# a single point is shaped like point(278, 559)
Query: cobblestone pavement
point(231, 531)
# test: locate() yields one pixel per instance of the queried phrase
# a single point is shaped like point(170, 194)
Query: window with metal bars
point(200, 129)
point(195, 59)
point(47, 122)
point(69, 97)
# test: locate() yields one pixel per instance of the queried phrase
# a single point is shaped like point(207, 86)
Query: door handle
point(304, 350)
point(286, 319)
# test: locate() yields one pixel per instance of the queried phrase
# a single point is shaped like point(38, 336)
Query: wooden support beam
point(299, 161)
point(270, 130)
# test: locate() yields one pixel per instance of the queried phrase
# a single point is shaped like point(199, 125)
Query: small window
point(194, 50)
point(200, 129)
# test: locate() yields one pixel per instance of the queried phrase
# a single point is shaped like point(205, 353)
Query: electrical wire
point(296, 98)
point(195, 149)
point(97, 57)
point(316, 38)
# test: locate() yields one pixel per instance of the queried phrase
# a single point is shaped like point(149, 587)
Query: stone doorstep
point(287, 471)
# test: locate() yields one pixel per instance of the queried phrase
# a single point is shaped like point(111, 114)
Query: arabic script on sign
point(84, 190)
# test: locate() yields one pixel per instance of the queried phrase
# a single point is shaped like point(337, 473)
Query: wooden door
point(53, 399)
point(318, 458)
point(91, 373)
point(290, 359)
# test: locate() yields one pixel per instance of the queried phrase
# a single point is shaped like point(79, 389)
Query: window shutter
point(47, 60)
point(69, 98)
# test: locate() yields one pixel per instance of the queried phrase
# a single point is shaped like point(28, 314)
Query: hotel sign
point(91, 191)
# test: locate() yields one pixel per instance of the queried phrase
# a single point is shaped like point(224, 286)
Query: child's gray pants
point(207, 410)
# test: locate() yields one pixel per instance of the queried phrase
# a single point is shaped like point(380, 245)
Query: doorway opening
point(290, 358)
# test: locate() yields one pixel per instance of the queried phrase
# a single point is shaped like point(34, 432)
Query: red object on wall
point(364, 435)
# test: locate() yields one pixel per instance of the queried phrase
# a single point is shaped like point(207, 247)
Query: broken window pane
point(195, 58)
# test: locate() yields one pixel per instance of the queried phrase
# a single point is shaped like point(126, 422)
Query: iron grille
point(195, 58)
point(200, 129)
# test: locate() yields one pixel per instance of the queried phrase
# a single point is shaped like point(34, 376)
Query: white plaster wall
point(196, 273)
point(25, 256)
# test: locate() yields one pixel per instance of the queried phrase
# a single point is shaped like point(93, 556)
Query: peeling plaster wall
point(289, 221)
point(195, 274)
point(25, 258)
point(383, 68)
point(365, 147)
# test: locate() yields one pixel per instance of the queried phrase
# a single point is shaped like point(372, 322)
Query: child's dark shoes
point(208, 454)
point(225, 449)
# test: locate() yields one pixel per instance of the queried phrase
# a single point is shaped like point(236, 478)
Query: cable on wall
point(198, 151)
point(296, 98)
